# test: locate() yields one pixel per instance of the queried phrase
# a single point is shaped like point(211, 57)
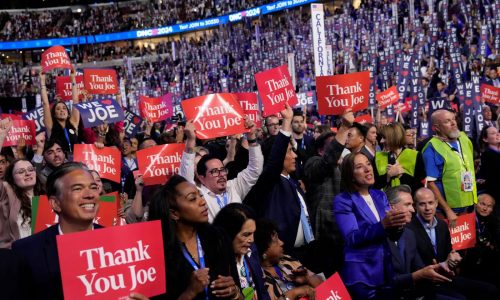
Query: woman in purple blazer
point(364, 218)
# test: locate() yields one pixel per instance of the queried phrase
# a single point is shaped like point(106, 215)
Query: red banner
point(55, 57)
point(366, 118)
point(156, 109)
point(107, 161)
point(387, 97)
point(275, 88)
point(100, 81)
point(42, 215)
point(64, 89)
point(215, 115)
point(110, 263)
point(490, 94)
point(158, 163)
point(338, 93)
point(332, 289)
point(250, 105)
point(463, 235)
point(21, 129)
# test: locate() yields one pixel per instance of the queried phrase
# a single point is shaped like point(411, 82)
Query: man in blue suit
point(74, 196)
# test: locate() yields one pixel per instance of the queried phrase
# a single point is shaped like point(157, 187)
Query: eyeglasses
point(217, 172)
point(23, 171)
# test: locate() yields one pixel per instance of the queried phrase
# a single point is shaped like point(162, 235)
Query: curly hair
point(20, 193)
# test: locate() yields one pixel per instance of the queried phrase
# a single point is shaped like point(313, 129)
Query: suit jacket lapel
point(363, 207)
point(51, 257)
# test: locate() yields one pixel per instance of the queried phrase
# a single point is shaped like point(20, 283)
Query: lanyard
point(222, 201)
point(288, 285)
point(67, 138)
point(459, 152)
point(247, 273)
point(201, 258)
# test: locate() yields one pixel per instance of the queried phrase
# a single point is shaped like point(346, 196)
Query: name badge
point(467, 181)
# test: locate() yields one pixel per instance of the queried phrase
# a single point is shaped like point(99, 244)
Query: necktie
point(304, 219)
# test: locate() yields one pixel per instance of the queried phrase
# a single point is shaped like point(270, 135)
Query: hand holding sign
point(340, 92)
point(5, 126)
point(55, 57)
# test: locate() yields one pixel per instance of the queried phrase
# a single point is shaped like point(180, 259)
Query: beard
point(454, 134)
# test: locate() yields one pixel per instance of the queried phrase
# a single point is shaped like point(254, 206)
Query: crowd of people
point(288, 204)
point(111, 17)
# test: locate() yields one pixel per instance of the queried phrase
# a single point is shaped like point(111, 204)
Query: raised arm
point(5, 126)
point(47, 116)
point(75, 114)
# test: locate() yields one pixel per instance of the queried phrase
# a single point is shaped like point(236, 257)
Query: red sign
point(463, 235)
point(215, 115)
point(403, 107)
point(110, 263)
point(97, 81)
point(250, 105)
point(42, 215)
point(366, 118)
point(106, 161)
point(339, 92)
point(55, 57)
point(275, 88)
point(107, 215)
point(387, 97)
point(21, 129)
point(332, 289)
point(64, 88)
point(158, 163)
point(156, 109)
point(490, 94)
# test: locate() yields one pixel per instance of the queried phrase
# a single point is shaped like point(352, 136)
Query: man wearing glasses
point(272, 125)
point(212, 173)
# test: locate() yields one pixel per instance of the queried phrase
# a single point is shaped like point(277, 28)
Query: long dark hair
point(38, 189)
point(232, 217)
point(159, 209)
point(53, 111)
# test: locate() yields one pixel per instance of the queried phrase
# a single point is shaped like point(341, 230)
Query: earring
point(264, 256)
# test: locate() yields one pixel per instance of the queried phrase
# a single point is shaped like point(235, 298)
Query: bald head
point(485, 205)
point(445, 125)
point(426, 204)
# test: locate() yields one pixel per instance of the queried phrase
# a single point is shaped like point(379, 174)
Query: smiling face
point(244, 239)
point(77, 200)
point(190, 206)
point(24, 174)
point(61, 111)
point(363, 171)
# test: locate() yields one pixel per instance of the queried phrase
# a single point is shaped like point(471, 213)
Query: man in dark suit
point(278, 197)
point(434, 245)
point(74, 196)
point(412, 278)
point(303, 144)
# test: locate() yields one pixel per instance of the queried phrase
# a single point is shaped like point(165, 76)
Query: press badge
point(466, 181)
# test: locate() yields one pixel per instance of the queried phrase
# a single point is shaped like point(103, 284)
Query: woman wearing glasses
point(238, 223)
point(16, 192)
